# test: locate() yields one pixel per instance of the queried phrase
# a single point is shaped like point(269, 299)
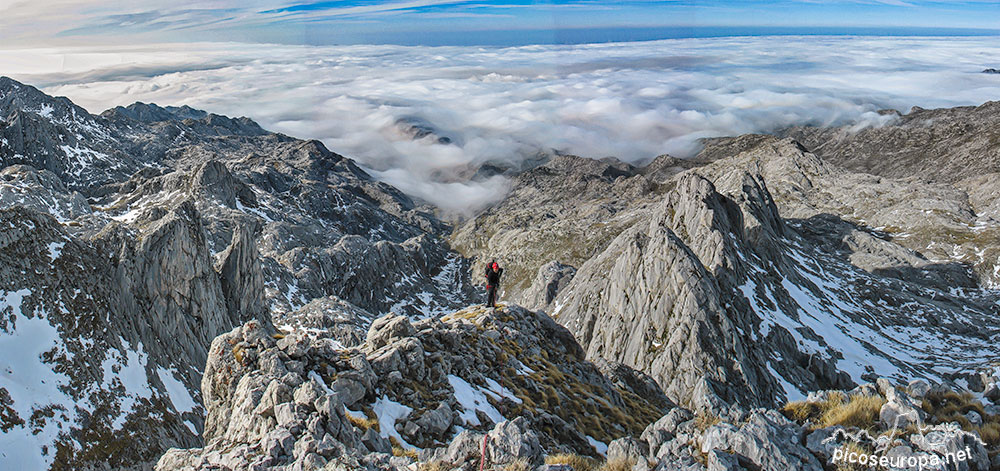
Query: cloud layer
point(630, 100)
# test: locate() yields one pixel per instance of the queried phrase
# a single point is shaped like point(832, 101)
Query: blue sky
point(473, 22)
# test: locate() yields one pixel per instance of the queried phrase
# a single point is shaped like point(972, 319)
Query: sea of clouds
point(630, 100)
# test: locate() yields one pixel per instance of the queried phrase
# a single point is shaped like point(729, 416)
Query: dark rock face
point(242, 278)
point(551, 279)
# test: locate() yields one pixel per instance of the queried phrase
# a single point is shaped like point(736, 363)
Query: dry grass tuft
point(946, 406)
point(435, 466)
point(618, 464)
point(579, 463)
point(362, 423)
point(238, 353)
point(398, 450)
point(990, 433)
point(838, 409)
point(704, 420)
point(519, 465)
point(859, 411)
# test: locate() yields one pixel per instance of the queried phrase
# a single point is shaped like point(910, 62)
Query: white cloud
point(631, 100)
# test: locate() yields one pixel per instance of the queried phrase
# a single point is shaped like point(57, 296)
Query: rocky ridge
point(500, 389)
point(304, 401)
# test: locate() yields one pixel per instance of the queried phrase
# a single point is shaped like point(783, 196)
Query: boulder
point(663, 429)
point(512, 440)
point(992, 392)
point(722, 461)
point(822, 442)
point(627, 448)
point(899, 412)
point(436, 422)
point(767, 439)
point(948, 440)
point(917, 389)
point(387, 328)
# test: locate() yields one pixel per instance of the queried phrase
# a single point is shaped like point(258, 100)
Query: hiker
point(493, 272)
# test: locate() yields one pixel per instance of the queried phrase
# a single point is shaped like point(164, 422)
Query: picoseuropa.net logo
point(845, 454)
point(937, 441)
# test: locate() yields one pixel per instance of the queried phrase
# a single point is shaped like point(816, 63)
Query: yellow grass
point(579, 463)
point(860, 411)
point(618, 464)
point(855, 411)
point(398, 450)
point(362, 423)
point(519, 465)
point(435, 466)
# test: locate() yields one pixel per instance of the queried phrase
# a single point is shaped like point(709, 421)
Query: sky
point(449, 22)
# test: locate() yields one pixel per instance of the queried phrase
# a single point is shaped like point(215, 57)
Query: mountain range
point(183, 290)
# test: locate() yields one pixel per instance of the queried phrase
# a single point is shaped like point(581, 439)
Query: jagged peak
point(607, 167)
point(198, 120)
point(153, 113)
point(16, 96)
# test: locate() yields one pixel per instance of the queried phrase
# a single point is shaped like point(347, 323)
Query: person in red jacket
point(493, 272)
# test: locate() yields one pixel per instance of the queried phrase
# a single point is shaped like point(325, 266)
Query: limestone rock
point(512, 440)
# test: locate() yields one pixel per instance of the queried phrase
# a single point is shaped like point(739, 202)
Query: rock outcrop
point(513, 377)
point(650, 302)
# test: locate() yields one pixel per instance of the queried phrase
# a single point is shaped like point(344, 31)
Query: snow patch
point(179, 395)
point(388, 413)
point(191, 427)
point(792, 393)
point(313, 375)
point(55, 249)
point(498, 392)
point(600, 446)
point(523, 369)
point(472, 398)
point(130, 373)
point(46, 111)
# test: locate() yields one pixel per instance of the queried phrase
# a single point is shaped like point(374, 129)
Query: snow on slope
point(40, 392)
point(829, 301)
point(32, 385)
